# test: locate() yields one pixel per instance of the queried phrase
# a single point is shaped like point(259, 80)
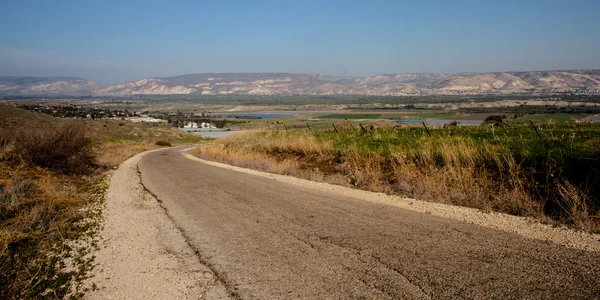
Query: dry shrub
point(65, 149)
point(575, 203)
point(163, 143)
point(40, 193)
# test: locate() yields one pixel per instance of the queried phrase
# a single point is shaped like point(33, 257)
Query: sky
point(118, 41)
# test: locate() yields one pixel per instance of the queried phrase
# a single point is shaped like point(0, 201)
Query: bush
point(66, 149)
point(163, 143)
point(493, 119)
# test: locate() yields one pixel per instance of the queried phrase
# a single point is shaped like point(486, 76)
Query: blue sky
point(116, 41)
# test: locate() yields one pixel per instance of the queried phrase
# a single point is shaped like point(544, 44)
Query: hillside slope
point(390, 85)
point(582, 81)
point(34, 86)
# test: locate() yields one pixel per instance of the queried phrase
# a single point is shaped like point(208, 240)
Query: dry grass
point(452, 169)
point(575, 206)
point(110, 155)
point(51, 171)
point(38, 211)
point(457, 172)
point(268, 151)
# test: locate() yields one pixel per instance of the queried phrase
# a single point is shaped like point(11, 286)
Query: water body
point(261, 116)
point(440, 122)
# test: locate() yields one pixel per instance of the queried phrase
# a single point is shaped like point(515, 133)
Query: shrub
point(66, 149)
point(163, 143)
point(493, 119)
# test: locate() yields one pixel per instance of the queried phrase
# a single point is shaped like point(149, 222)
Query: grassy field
point(214, 102)
point(544, 118)
point(421, 115)
point(554, 178)
point(350, 116)
point(52, 184)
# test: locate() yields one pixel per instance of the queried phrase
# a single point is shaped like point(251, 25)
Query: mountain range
point(408, 84)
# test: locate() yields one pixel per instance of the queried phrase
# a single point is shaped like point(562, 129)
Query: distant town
point(179, 119)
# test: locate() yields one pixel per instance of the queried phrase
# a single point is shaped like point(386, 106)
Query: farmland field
point(350, 116)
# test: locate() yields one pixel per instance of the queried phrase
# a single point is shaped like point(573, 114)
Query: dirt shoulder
point(142, 254)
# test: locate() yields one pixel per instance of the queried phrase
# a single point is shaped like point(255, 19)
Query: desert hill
point(583, 81)
point(61, 86)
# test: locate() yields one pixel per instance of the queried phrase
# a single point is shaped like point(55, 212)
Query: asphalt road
point(266, 239)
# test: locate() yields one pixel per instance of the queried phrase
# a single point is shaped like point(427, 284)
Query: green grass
point(350, 116)
point(421, 115)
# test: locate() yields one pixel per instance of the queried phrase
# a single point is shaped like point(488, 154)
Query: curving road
point(266, 239)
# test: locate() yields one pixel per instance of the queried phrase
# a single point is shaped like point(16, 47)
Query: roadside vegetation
point(552, 174)
point(52, 185)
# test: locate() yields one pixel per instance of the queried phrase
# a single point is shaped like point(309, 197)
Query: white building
point(207, 125)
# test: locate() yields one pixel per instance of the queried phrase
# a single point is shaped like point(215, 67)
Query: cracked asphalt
point(265, 239)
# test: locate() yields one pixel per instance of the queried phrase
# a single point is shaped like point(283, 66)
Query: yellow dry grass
point(113, 154)
point(451, 170)
point(268, 151)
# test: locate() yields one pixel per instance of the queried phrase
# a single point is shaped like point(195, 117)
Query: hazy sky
point(116, 41)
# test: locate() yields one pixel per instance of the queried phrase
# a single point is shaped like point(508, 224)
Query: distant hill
point(305, 84)
point(394, 84)
point(47, 86)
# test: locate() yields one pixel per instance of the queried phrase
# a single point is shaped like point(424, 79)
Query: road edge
point(526, 227)
point(142, 253)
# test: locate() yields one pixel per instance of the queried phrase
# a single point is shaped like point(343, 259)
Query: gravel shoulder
point(142, 254)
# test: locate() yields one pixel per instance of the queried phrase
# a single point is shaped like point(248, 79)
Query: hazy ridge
point(581, 81)
point(51, 86)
